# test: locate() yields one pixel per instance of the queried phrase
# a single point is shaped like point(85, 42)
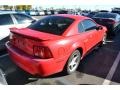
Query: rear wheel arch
point(80, 49)
point(74, 57)
point(73, 47)
point(78, 46)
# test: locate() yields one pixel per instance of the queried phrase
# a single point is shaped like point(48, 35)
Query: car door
point(6, 22)
point(22, 20)
point(92, 35)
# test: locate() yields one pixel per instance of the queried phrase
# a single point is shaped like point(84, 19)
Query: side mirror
point(99, 28)
point(33, 21)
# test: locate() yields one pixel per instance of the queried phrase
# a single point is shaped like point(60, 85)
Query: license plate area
point(19, 42)
point(23, 43)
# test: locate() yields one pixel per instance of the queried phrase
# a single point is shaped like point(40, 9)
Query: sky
point(84, 4)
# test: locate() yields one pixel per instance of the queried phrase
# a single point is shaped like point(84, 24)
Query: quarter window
point(80, 27)
point(89, 25)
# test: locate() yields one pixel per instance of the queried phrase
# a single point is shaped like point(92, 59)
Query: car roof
point(107, 13)
point(9, 12)
point(76, 17)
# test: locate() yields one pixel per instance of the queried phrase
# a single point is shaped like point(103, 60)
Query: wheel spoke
point(73, 63)
point(71, 67)
point(104, 39)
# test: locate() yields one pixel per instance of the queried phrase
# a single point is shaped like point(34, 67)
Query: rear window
point(105, 15)
point(116, 12)
point(52, 24)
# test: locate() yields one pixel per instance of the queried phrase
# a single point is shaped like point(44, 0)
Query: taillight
point(11, 35)
point(42, 52)
point(111, 22)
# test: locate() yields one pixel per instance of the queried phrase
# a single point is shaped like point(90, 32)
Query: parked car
point(91, 14)
point(41, 13)
point(103, 11)
point(54, 44)
point(8, 20)
point(52, 12)
point(110, 20)
point(34, 13)
point(62, 12)
point(85, 13)
point(116, 10)
point(56, 12)
point(21, 11)
point(47, 12)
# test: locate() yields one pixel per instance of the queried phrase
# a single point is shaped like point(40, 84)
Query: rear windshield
point(52, 24)
point(116, 12)
point(105, 15)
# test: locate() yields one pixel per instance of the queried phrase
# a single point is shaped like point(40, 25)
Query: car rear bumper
point(42, 67)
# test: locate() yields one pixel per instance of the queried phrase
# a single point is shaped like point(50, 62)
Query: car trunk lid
point(104, 21)
point(25, 39)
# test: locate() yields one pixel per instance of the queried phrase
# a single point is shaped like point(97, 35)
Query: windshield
point(105, 15)
point(52, 24)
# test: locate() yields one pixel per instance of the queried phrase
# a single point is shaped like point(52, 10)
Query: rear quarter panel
point(63, 48)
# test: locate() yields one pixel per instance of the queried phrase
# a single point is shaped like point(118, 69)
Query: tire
point(103, 42)
point(71, 66)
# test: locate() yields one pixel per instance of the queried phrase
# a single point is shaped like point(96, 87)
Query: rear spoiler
point(13, 28)
point(14, 31)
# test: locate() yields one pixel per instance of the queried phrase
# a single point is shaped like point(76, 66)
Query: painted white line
point(107, 80)
point(3, 55)
point(2, 78)
point(63, 81)
point(109, 41)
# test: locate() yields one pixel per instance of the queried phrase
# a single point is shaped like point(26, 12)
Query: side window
point(5, 19)
point(89, 25)
point(118, 18)
point(80, 27)
point(22, 19)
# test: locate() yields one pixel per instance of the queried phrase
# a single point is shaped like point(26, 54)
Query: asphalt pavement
point(100, 67)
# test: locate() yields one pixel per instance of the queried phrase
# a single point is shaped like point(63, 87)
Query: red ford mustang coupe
point(54, 44)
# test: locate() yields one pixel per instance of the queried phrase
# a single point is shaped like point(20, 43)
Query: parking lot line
point(63, 81)
point(3, 55)
point(2, 78)
point(107, 80)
